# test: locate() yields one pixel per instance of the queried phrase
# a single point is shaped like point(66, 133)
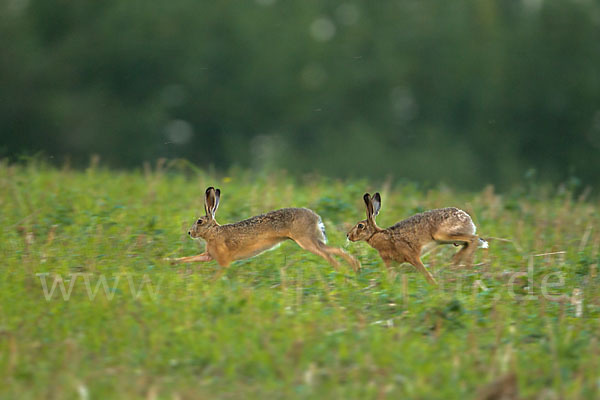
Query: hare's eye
point(360, 226)
point(199, 222)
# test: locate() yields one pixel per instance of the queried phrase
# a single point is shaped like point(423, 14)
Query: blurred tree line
point(466, 92)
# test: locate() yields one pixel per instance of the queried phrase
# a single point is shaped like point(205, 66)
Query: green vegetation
point(285, 324)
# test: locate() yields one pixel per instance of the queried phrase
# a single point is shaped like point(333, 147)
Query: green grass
point(285, 324)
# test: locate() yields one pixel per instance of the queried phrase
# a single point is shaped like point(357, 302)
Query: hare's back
point(450, 219)
point(278, 220)
point(455, 220)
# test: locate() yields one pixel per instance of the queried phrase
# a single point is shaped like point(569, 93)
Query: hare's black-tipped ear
point(376, 200)
point(369, 204)
point(217, 199)
point(209, 201)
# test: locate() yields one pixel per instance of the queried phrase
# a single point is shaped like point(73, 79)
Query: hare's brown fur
point(407, 240)
point(247, 238)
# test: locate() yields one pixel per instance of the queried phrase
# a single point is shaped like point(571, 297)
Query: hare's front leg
point(197, 258)
point(389, 263)
point(419, 265)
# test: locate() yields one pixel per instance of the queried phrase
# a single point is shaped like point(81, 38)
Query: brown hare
point(407, 240)
point(244, 239)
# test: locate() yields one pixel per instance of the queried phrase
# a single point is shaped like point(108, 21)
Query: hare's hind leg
point(466, 253)
point(314, 240)
point(316, 247)
point(469, 245)
point(339, 252)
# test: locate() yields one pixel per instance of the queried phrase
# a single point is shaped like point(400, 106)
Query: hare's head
point(364, 229)
point(206, 223)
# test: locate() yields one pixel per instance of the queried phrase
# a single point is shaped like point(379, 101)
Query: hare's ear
point(209, 201)
point(369, 204)
point(376, 200)
point(217, 199)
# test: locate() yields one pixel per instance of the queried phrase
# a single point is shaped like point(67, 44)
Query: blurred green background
point(461, 92)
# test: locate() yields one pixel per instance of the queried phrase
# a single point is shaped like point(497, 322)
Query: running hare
point(244, 239)
point(409, 239)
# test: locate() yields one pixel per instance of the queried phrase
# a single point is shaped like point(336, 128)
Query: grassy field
point(285, 324)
